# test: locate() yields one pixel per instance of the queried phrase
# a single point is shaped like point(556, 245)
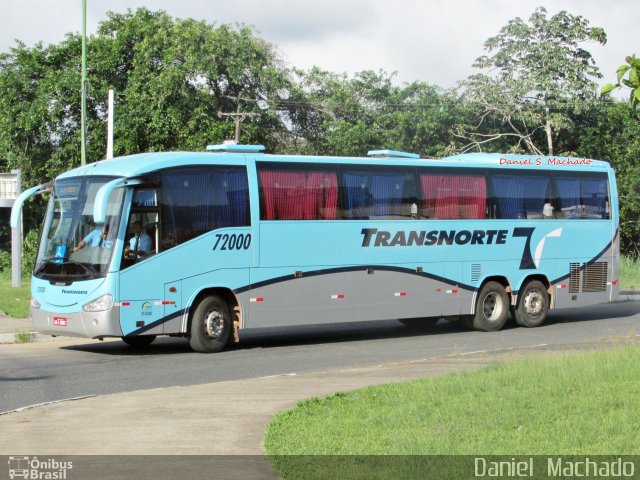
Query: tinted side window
point(582, 196)
point(378, 193)
point(520, 196)
point(452, 196)
point(144, 197)
point(197, 200)
point(298, 193)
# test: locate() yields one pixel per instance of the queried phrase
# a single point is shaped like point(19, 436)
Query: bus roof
point(141, 164)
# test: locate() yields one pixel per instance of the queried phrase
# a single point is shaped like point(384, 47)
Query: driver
point(96, 238)
point(140, 241)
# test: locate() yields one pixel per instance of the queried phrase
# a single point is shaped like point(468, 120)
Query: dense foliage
point(175, 78)
point(628, 76)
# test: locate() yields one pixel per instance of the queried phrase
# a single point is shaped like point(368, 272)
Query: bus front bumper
point(78, 324)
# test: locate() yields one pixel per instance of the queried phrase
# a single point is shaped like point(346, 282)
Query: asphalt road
point(61, 369)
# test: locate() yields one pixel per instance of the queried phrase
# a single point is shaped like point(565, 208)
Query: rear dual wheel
point(492, 307)
point(533, 305)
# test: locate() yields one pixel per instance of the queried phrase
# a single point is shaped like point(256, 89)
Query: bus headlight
point(100, 304)
point(34, 303)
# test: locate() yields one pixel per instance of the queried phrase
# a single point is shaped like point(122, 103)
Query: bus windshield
point(72, 246)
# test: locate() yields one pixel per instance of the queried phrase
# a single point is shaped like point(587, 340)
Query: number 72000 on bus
point(204, 245)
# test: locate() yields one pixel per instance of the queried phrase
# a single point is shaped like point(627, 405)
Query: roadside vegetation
point(629, 273)
point(581, 404)
point(22, 336)
point(14, 302)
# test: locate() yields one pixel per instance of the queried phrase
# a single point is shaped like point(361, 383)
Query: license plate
point(59, 322)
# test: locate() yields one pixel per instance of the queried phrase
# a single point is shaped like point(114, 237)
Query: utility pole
point(16, 239)
point(239, 116)
point(110, 126)
point(83, 109)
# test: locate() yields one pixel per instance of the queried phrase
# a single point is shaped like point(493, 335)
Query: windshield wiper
point(87, 267)
point(53, 257)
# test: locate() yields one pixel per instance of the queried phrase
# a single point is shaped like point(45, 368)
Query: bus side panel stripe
point(157, 323)
point(329, 271)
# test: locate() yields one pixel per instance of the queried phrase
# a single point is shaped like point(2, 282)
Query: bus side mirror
point(102, 197)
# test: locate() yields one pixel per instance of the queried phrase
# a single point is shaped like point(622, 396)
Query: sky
point(425, 40)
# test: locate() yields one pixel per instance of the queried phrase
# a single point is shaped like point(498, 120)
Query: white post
point(110, 126)
point(16, 242)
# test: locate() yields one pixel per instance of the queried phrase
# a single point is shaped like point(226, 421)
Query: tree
point(537, 72)
point(175, 76)
point(632, 72)
point(338, 115)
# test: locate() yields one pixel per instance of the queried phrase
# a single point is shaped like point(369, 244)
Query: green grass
point(14, 301)
point(22, 336)
point(570, 404)
point(629, 273)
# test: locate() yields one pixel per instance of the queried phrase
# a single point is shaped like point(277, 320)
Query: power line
point(238, 115)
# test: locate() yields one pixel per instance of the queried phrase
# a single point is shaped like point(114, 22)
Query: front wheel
point(210, 325)
point(533, 305)
point(492, 307)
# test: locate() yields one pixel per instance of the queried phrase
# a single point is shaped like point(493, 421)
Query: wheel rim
point(533, 303)
point(492, 306)
point(214, 324)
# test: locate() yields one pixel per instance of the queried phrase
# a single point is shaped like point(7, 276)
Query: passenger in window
point(98, 237)
point(547, 209)
point(140, 244)
point(169, 241)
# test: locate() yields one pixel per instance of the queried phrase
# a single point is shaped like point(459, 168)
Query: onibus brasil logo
point(33, 468)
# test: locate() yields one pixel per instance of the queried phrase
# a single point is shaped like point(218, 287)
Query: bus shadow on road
point(161, 346)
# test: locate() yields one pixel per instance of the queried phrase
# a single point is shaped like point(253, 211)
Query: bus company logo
point(33, 468)
point(539, 161)
point(147, 309)
point(372, 237)
point(75, 292)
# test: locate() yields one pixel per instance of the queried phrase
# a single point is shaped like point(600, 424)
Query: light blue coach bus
point(203, 245)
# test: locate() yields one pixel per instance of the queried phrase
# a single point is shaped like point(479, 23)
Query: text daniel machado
point(555, 466)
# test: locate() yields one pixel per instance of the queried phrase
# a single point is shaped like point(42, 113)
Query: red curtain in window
point(268, 197)
point(453, 196)
point(298, 195)
point(438, 196)
point(472, 195)
point(322, 193)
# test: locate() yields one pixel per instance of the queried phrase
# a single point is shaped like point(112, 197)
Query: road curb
point(628, 297)
point(11, 337)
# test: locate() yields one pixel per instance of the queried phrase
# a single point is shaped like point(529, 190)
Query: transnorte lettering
point(372, 237)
